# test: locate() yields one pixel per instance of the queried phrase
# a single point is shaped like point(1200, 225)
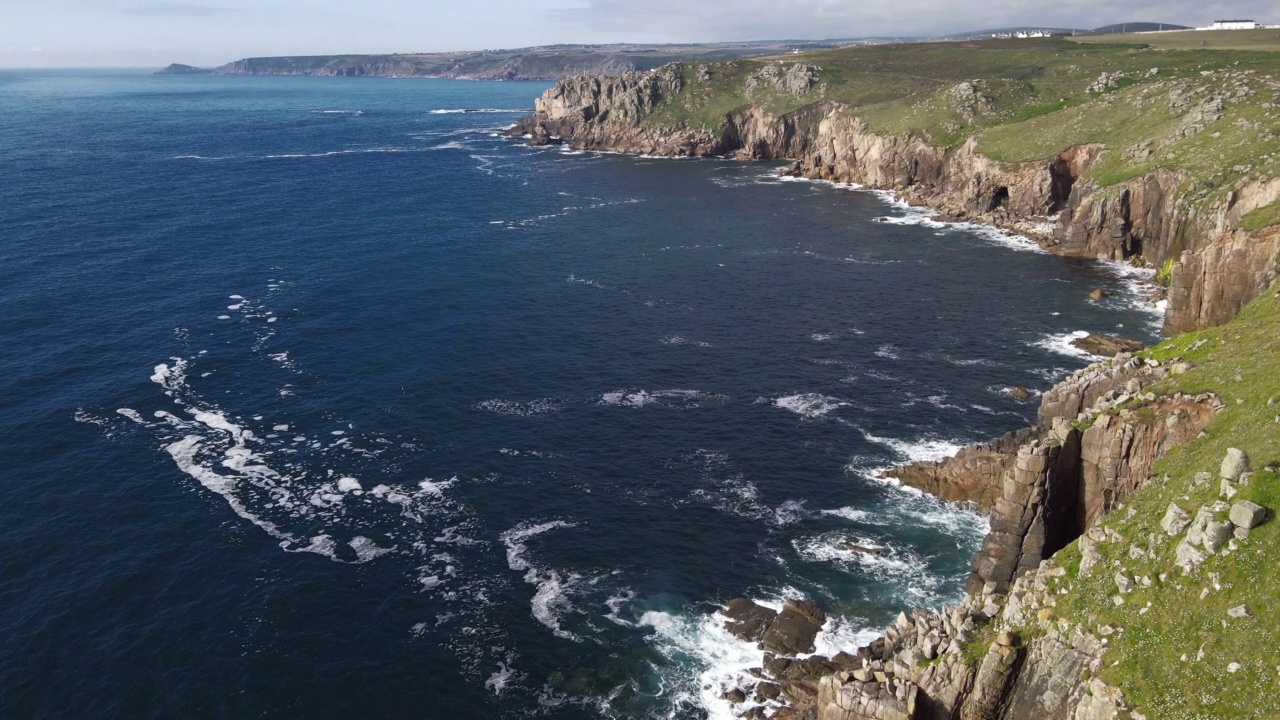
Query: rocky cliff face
point(1050, 487)
point(1217, 267)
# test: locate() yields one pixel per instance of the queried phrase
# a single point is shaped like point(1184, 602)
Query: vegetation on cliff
point(1208, 115)
point(1175, 645)
point(1086, 600)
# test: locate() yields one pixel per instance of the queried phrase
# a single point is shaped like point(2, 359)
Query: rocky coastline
point(1214, 266)
point(1003, 651)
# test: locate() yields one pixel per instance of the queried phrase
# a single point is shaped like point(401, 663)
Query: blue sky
point(54, 33)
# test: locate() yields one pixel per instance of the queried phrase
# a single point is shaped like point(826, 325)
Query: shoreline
point(803, 687)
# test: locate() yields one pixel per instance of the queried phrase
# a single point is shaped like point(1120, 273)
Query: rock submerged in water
point(1020, 393)
point(1099, 294)
point(1107, 345)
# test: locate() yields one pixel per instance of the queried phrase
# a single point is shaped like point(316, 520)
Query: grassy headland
point(1211, 115)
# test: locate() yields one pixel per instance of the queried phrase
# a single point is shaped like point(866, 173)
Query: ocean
point(321, 399)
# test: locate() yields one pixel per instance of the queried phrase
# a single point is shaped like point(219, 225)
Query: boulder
point(1188, 557)
point(794, 629)
point(767, 691)
point(1248, 515)
point(1216, 534)
point(1199, 526)
point(1175, 520)
point(748, 620)
point(1020, 393)
point(1107, 345)
point(1235, 464)
point(1240, 611)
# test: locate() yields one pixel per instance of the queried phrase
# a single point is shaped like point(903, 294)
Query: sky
point(148, 33)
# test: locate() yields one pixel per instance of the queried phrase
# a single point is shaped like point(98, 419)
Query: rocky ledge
point(1004, 652)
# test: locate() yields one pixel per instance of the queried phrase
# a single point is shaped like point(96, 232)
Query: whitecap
point(889, 352)
point(704, 662)
point(551, 599)
point(1061, 343)
point(919, 450)
point(668, 398)
point(809, 405)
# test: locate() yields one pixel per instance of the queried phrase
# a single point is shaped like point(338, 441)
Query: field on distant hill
point(1268, 40)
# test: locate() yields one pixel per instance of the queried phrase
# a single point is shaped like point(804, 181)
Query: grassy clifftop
point(1209, 114)
point(1175, 645)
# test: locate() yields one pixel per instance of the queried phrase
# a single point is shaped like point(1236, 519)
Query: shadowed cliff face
point(1216, 268)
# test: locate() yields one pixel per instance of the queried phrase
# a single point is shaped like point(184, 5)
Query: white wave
point(789, 512)
point(678, 340)
point(972, 362)
point(809, 405)
point(925, 217)
point(848, 513)
point(1140, 291)
point(822, 337)
point(888, 351)
point(879, 560)
point(550, 600)
point(501, 677)
point(353, 151)
point(518, 409)
point(587, 281)
point(922, 449)
point(841, 634)
point(826, 183)
point(338, 112)
point(666, 398)
point(366, 549)
point(615, 603)
point(1061, 343)
point(703, 663)
point(464, 111)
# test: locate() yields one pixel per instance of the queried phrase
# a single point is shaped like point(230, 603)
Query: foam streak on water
point(358, 386)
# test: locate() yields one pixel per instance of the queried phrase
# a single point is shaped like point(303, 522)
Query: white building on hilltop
point(1233, 25)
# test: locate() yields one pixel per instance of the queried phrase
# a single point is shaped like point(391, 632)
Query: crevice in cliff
point(1061, 181)
point(999, 199)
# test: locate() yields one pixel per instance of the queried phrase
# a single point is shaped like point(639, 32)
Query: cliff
point(1125, 574)
point(1164, 194)
point(552, 62)
point(180, 69)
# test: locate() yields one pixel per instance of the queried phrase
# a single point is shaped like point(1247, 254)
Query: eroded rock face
point(973, 475)
point(793, 631)
point(748, 620)
point(1211, 285)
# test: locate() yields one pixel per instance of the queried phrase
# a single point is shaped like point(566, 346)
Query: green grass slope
point(1176, 645)
point(1212, 115)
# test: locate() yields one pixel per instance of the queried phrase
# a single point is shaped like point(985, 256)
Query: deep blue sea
point(320, 399)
